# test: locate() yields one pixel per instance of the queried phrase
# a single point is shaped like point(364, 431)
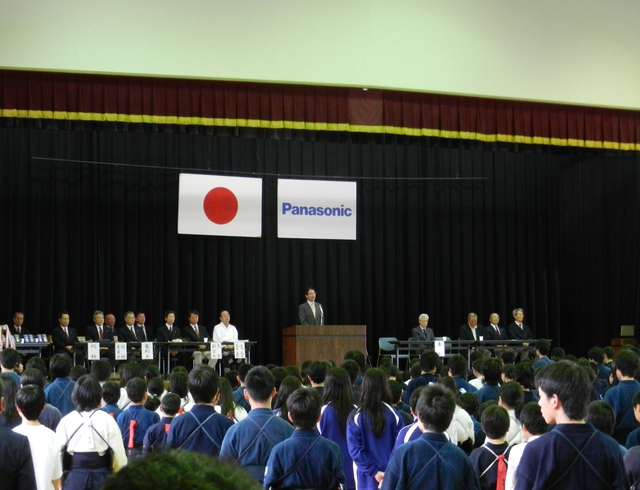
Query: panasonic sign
point(317, 209)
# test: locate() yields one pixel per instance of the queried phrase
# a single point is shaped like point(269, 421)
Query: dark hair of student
point(304, 408)
point(317, 371)
point(226, 401)
point(491, 370)
point(375, 392)
point(458, 365)
point(203, 384)
point(259, 383)
point(170, 404)
point(435, 407)
point(495, 421)
point(136, 389)
point(155, 386)
point(87, 394)
point(338, 391)
point(181, 470)
point(243, 370)
point(356, 355)
point(101, 370)
point(601, 415)
point(10, 358)
point(450, 383)
point(128, 371)
point(524, 374)
point(570, 383)
point(232, 377)
point(292, 370)
point(627, 362)
point(531, 417)
point(152, 403)
point(288, 386)
point(78, 371)
point(30, 399)
point(10, 416)
point(279, 373)
point(33, 376)
point(511, 394)
point(59, 366)
point(352, 369)
point(413, 399)
point(415, 370)
point(151, 371)
point(596, 353)
point(38, 363)
point(179, 384)
point(110, 392)
point(469, 403)
point(428, 360)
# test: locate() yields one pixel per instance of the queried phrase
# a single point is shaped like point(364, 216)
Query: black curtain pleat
point(551, 230)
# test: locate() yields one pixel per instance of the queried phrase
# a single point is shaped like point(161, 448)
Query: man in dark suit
point(518, 330)
point(16, 327)
point(169, 332)
point(128, 333)
point(98, 331)
point(16, 468)
point(470, 330)
point(310, 312)
point(197, 333)
point(145, 332)
point(494, 331)
point(63, 336)
point(422, 332)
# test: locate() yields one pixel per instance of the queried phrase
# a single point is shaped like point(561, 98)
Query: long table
point(459, 346)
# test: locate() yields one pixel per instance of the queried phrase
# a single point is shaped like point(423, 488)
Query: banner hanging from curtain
point(217, 205)
point(317, 209)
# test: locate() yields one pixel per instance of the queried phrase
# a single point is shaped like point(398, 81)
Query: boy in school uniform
point(431, 461)
point(135, 420)
point(306, 459)
point(156, 436)
point(201, 429)
point(573, 454)
point(491, 459)
point(110, 396)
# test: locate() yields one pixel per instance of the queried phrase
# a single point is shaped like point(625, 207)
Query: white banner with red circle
point(220, 205)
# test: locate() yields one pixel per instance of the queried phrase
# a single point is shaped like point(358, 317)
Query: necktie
point(18, 330)
point(195, 328)
point(66, 333)
point(100, 332)
point(313, 309)
point(495, 327)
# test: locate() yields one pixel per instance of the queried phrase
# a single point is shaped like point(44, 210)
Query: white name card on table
point(216, 350)
point(438, 346)
point(121, 351)
point(147, 350)
point(93, 351)
point(239, 350)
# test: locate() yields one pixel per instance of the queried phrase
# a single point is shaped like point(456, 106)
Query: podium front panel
point(317, 342)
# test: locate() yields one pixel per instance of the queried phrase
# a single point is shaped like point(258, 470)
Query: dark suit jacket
point(60, 339)
point(306, 315)
point(16, 470)
point(190, 335)
point(125, 335)
point(467, 334)
point(163, 334)
point(517, 333)
point(417, 334)
point(490, 333)
point(91, 333)
point(23, 331)
point(151, 335)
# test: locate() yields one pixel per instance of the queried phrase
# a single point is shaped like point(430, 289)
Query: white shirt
point(515, 455)
point(44, 451)
point(222, 333)
point(514, 435)
point(86, 440)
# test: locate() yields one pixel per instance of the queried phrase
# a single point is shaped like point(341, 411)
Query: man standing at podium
point(310, 312)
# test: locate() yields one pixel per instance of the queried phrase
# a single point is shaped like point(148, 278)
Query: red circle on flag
point(220, 205)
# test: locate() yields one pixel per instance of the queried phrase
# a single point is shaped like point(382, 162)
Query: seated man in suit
point(494, 331)
point(129, 333)
point(421, 332)
point(16, 327)
point(170, 332)
point(99, 332)
point(310, 312)
point(518, 330)
point(471, 330)
point(63, 336)
point(198, 333)
point(145, 332)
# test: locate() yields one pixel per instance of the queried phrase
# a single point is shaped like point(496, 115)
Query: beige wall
point(573, 51)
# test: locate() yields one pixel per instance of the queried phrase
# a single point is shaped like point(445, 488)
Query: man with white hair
point(422, 332)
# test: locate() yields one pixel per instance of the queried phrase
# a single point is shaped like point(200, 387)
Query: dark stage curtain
point(548, 229)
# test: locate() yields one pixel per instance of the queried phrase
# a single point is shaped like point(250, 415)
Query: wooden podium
point(317, 342)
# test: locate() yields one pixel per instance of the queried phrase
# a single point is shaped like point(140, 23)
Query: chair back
point(384, 343)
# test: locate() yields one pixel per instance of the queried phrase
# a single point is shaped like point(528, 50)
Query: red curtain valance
point(273, 106)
